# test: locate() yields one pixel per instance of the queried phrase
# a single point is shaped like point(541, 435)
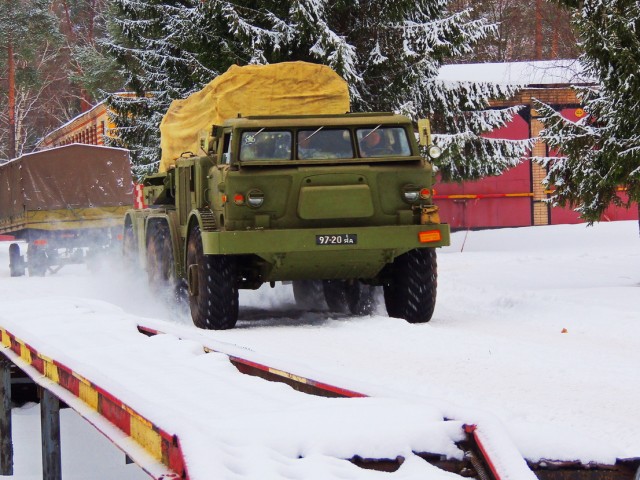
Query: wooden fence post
point(50, 420)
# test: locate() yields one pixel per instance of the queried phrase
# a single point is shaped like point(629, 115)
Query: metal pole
point(6, 442)
point(50, 419)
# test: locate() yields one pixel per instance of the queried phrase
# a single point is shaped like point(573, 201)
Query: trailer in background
point(66, 203)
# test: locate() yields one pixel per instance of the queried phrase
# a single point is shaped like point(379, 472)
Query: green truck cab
point(337, 204)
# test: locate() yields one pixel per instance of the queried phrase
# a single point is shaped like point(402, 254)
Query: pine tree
point(388, 52)
point(600, 154)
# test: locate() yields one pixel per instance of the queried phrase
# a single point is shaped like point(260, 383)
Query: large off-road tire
point(129, 250)
point(360, 298)
point(410, 289)
point(309, 294)
point(349, 296)
point(213, 287)
point(160, 261)
point(335, 294)
point(16, 262)
point(37, 261)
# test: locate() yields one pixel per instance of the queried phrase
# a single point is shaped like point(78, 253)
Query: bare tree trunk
point(538, 38)
point(12, 99)
point(67, 16)
point(92, 18)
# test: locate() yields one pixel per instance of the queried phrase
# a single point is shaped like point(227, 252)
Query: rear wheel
point(360, 298)
point(410, 291)
point(160, 261)
point(16, 262)
point(349, 296)
point(213, 288)
point(335, 294)
point(129, 247)
point(309, 294)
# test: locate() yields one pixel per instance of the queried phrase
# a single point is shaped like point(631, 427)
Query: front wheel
point(213, 288)
point(411, 285)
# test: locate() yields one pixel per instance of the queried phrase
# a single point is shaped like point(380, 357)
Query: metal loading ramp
point(180, 412)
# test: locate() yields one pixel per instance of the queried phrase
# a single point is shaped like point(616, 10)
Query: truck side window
point(226, 148)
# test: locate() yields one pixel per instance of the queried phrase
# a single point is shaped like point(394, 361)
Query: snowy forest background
point(60, 57)
point(64, 65)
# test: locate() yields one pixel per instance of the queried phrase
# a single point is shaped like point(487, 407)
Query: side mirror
point(208, 141)
point(424, 132)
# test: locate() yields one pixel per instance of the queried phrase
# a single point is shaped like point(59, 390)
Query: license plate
point(337, 239)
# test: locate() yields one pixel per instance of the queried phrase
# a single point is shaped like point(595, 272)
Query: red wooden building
point(517, 197)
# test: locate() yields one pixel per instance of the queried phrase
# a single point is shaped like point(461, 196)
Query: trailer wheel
point(16, 262)
point(309, 294)
point(213, 289)
point(37, 261)
point(160, 261)
point(410, 291)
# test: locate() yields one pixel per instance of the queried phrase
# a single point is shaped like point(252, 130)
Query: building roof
point(535, 73)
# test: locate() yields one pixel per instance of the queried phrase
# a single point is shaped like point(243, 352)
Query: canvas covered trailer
point(67, 203)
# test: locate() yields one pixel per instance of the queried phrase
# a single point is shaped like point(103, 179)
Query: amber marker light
point(238, 199)
point(430, 236)
point(119, 237)
point(40, 243)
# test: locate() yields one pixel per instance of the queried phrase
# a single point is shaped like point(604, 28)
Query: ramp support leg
point(50, 420)
point(6, 442)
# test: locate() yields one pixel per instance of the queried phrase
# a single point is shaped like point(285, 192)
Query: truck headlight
point(255, 198)
point(411, 193)
point(435, 151)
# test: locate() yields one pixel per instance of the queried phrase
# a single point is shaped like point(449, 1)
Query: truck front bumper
point(326, 253)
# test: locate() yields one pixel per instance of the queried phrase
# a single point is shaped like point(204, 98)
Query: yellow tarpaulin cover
point(290, 88)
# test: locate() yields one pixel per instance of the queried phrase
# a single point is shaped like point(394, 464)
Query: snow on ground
point(536, 327)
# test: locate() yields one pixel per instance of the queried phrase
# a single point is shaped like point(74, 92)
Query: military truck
point(338, 203)
point(66, 203)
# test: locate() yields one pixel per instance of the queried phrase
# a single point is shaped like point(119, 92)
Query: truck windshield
point(265, 145)
point(383, 142)
point(321, 143)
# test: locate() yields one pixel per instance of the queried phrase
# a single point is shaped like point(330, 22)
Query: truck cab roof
point(348, 119)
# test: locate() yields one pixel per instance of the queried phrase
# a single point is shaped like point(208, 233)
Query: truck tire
point(349, 296)
point(410, 291)
point(160, 261)
point(360, 298)
point(335, 294)
point(16, 262)
point(309, 294)
point(129, 253)
point(213, 289)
